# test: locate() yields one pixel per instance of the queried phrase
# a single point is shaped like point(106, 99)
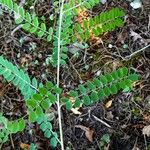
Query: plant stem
point(58, 73)
point(137, 52)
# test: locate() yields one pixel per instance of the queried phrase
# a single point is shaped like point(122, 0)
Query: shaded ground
point(129, 112)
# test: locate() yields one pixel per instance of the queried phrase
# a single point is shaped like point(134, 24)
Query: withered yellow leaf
point(108, 104)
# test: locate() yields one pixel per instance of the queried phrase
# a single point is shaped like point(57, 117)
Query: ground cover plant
point(60, 75)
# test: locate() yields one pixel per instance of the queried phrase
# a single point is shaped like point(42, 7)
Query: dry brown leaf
point(108, 104)
point(146, 130)
point(24, 146)
point(88, 132)
point(109, 115)
point(72, 100)
point(135, 35)
point(75, 111)
point(24, 60)
point(116, 64)
point(146, 118)
point(82, 15)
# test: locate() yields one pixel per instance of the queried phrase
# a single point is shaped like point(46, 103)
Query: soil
point(129, 112)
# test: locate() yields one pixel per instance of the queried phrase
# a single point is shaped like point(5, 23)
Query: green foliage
point(104, 22)
point(84, 4)
point(67, 34)
point(9, 127)
point(46, 127)
point(67, 31)
point(32, 146)
point(100, 88)
point(4, 132)
point(18, 78)
point(105, 139)
point(42, 100)
point(39, 99)
point(91, 92)
point(29, 22)
point(88, 4)
point(16, 126)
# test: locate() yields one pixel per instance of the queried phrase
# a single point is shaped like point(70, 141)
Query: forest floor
point(117, 122)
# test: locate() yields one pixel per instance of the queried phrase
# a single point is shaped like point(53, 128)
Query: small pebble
point(98, 73)
point(110, 46)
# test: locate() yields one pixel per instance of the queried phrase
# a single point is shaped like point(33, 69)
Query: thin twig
point(74, 7)
point(75, 70)
point(145, 141)
point(135, 144)
point(137, 52)
point(101, 121)
point(16, 29)
point(58, 73)
point(12, 143)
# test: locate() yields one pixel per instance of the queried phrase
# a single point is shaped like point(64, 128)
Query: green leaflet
point(4, 130)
